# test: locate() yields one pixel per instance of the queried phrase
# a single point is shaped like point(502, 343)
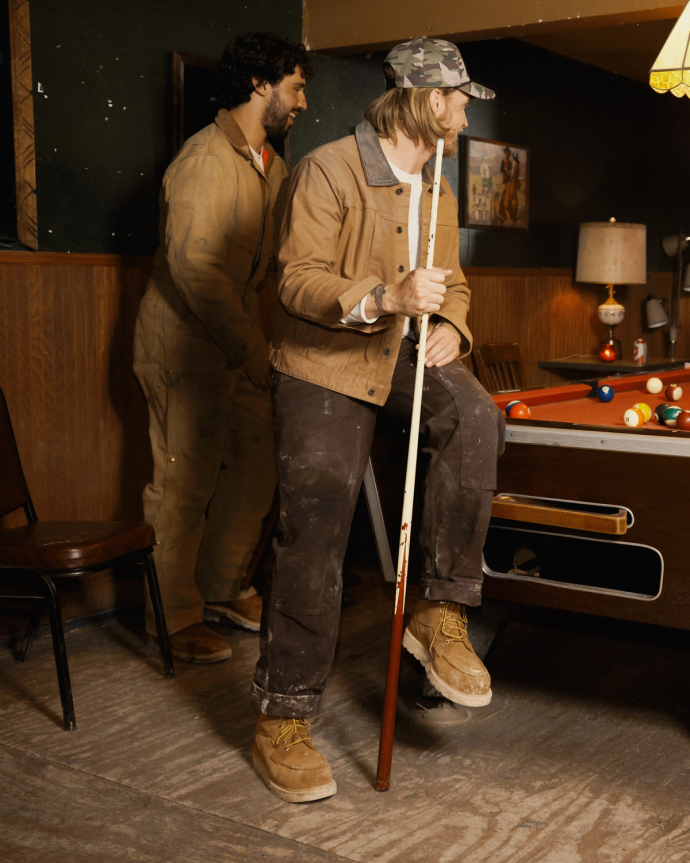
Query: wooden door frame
point(23, 123)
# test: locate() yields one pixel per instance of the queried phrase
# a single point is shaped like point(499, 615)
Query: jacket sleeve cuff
point(355, 294)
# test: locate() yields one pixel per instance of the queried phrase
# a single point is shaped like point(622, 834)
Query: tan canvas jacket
point(216, 210)
point(343, 232)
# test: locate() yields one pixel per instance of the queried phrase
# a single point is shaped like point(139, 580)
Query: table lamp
point(611, 253)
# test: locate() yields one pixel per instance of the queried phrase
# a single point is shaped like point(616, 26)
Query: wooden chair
point(499, 367)
point(35, 554)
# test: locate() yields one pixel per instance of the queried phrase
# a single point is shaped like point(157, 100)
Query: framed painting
point(496, 185)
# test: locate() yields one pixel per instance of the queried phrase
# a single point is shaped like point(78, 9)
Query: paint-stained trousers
point(213, 463)
point(323, 440)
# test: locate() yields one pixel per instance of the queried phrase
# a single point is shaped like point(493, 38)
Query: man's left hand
point(442, 345)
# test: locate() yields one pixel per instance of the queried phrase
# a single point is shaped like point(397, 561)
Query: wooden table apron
point(646, 470)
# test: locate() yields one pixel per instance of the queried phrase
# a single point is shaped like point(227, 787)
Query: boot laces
point(293, 728)
point(453, 623)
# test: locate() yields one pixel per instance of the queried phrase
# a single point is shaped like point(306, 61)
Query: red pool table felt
point(570, 403)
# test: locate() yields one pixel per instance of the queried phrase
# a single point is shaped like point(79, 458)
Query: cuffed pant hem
point(463, 592)
point(289, 706)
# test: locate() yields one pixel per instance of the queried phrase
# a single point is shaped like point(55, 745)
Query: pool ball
point(659, 412)
point(520, 410)
point(655, 385)
point(633, 417)
point(673, 393)
point(683, 421)
point(605, 393)
point(646, 410)
point(510, 404)
point(671, 415)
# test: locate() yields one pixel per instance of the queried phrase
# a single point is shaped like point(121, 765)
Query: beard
point(450, 145)
point(275, 119)
point(450, 139)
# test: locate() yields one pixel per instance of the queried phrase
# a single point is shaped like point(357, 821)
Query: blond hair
point(407, 110)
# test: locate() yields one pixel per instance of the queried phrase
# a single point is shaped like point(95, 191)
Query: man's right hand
point(258, 369)
point(420, 292)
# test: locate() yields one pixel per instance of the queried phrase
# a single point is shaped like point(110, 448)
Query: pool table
point(591, 515)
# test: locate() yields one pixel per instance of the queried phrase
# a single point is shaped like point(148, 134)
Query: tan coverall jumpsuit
point(211, 429)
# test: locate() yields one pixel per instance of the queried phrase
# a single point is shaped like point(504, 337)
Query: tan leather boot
point(289, 763)
point(198, 643)
point(245, 611)
point(437, 637)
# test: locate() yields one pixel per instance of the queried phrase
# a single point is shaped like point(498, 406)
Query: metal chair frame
point(48, 596)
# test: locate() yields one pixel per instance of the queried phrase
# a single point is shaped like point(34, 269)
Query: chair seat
point(72, 545)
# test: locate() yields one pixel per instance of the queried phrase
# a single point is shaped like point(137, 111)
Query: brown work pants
point(323, 440)
point(213, 463)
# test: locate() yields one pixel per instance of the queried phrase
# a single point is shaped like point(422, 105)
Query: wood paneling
point(66, 333)
point(550, 315)
point(80, 419)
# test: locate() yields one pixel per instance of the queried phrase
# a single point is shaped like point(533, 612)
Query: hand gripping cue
point(383, 777)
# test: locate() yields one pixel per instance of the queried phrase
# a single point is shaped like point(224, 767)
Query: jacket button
point(401, 269)
point(399, 229)
point(387, 352)
point(398, 191)
point(372, 392)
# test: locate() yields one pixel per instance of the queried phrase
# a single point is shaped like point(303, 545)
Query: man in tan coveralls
point(200, 355)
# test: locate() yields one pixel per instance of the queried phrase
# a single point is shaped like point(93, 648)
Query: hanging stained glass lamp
point(671, 69)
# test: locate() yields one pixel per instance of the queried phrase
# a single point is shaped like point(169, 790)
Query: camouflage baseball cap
point(432, 63)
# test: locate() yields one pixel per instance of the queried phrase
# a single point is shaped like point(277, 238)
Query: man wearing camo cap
point(352, 290)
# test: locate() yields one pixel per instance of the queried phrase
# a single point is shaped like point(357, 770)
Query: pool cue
point(383, 775)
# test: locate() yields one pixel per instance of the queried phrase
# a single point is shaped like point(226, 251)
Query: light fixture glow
point(671, 69)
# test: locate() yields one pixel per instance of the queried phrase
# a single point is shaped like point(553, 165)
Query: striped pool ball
point(683, 421)
point(673, 393)
point(510, 405)
point(671, 415)
point(646, 410)
point(520, 410)
point(605, 393)
point(655, 385)
point(659, 412)
point(633, 418)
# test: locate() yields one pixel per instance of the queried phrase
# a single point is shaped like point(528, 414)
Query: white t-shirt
point(258, 157)
point(414, 241)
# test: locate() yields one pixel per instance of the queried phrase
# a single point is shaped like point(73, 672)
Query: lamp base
point(610, 349)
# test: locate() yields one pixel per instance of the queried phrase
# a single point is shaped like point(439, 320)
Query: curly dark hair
point(258, 55)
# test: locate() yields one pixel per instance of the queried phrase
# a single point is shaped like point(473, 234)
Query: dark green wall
point(103, 123)
point(601, 145)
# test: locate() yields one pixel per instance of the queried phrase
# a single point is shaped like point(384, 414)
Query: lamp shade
point(612, 253)
point(656, 316)
point(671, 244)
point(671, 69)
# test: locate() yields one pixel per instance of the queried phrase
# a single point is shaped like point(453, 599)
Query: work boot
point(198, 643)
point(290, 765)
point(245, 611)
point(437, 637)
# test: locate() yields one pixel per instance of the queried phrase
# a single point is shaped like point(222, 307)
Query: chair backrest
point(13, 489)
point(499, 366)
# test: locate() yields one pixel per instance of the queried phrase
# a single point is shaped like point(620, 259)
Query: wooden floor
point(583, 755)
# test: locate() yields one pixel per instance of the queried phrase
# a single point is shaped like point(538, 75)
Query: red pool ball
point(683, 421)
point(673, 393)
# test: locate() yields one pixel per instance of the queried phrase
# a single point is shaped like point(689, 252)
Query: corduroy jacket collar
point(376, 168)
